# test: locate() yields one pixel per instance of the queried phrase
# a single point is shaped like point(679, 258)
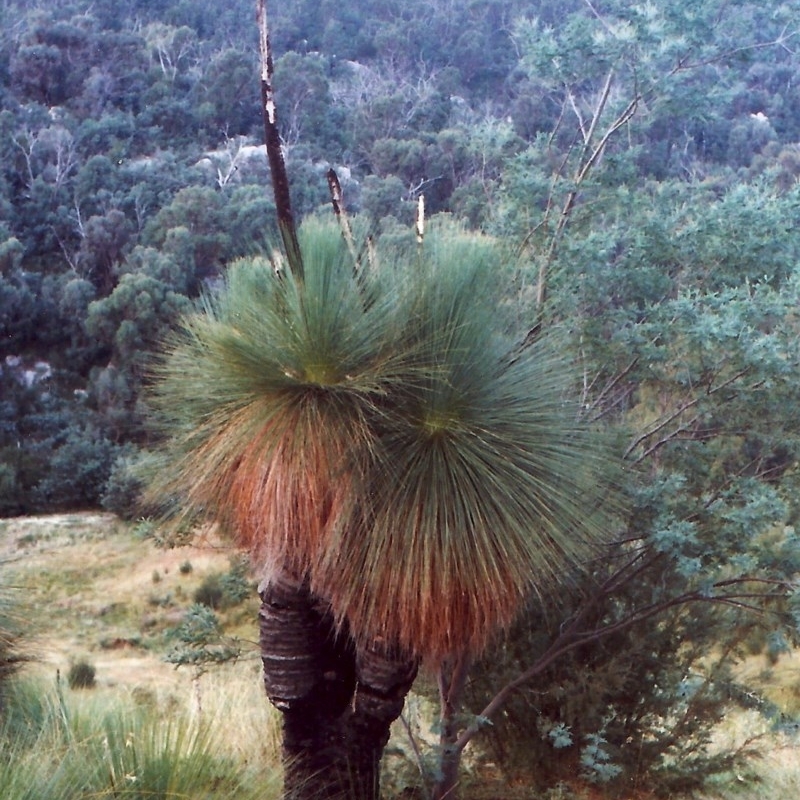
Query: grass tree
point(403, 475)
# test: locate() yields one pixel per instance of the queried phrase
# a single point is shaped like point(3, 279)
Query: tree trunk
point(383, 679)
point(338, 700)
point(272, 138)
point(452, 680)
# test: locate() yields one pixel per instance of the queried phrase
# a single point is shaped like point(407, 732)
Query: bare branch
point(665, 421)
point(599, 17)
point(579, 116)
point(684, 65)
point(583, 171)
point(611, 384)
point(599, 108)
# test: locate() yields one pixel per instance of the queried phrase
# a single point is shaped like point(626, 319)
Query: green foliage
point(200, 642)
point(109, 113)
point(687, 334)
point(122, 491)
point(209, 593)
point(76, 472)
point(308, 112)
point(198, 210)
point(237, 584)
point(676, 274)
point(392, 398)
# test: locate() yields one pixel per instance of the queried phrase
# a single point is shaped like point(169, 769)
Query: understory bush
point(81, 675)
point(57, 457)
point(636, 709)
point(225, 590)
point(124, 484)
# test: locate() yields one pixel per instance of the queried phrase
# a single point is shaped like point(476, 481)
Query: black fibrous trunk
point(338, 699)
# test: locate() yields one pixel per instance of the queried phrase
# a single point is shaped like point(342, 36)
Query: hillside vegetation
point(639, 163)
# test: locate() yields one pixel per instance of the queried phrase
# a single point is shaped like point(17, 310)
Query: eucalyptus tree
point(664, 74)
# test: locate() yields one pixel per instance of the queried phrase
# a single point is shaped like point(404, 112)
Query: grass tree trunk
point(309, 676)
point(383, 679)
point(338, 700)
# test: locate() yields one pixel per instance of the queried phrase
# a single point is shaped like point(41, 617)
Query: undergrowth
point(54, 749)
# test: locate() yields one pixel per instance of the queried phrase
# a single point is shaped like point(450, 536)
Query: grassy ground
point(95, 590)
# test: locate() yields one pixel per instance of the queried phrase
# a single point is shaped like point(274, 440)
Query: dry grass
point(89, 585)
point(89, 592)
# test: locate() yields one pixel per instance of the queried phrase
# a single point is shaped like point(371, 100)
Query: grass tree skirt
point(337, 702)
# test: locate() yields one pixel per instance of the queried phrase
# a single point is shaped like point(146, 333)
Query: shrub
point(81, 675)
point(122, 489)
point(221, 591)
point(209, 592)
point(186, 568)
point(236, 583)
point(145, 529)
point(637, 708)
point(200, 642)
point(77, 471)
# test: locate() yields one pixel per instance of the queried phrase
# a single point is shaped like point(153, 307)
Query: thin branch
point(572, 197)
point(684, 65)
point(613, 405)
point(671, 436)
point(601, 105)
point(572, 638)
point(613, 382)
point(599, 17)
point(664, 422)
point(578, 114)
point(415, 750)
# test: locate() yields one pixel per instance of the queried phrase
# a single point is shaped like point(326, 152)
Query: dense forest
point(132, 173)
point(639, 161)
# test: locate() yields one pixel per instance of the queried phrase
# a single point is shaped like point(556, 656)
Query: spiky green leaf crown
point(379, 437)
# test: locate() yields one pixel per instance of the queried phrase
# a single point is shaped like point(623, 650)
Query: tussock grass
point(56, 745)
point(146, 729)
